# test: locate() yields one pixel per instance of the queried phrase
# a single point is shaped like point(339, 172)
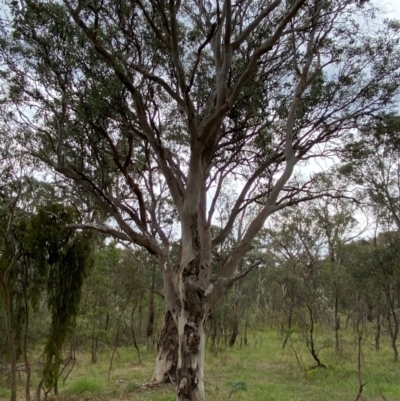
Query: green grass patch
point(131, 387)
point(259, 371)
point(4, 393)
point(84, 384)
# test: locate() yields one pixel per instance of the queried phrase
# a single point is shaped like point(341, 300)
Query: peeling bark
point(190, 383)
point(167, 352)
point(191, 331)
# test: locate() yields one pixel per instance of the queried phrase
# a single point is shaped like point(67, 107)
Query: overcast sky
point(392, 7)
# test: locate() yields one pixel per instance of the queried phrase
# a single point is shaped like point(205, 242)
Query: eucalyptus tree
point(358, 261)
point(15, 195)
point(43, 261)
point(386, 269)
point(298, 243)
point(63, 257)
point(335, 216)
point(150, 106)
point(374, 266)
point(117, 296)
point(371, 159)
point(9, 255)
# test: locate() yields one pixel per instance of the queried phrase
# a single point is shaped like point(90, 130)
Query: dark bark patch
point(192, 338)
point(187, 385)
point(194, 302)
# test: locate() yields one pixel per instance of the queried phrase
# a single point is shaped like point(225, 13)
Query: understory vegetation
point(260, 370)
point(302, 324)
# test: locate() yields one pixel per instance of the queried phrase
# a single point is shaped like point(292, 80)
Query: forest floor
point(259, 371)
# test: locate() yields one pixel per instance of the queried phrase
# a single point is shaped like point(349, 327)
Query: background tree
point(66, 258)
point(336, 218)
point(298, 244)
point(371, 159)
point(9, 255)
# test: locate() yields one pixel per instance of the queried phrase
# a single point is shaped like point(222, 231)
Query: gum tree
point(9, 255)
point(371, 160)
point(152, 106)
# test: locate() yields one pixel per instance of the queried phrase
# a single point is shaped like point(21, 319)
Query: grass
point(260, 371)
point(82, 384)
point(4, 393)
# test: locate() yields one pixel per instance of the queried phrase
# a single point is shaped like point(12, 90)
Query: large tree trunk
point(192, 281)
point(167, 345)
point(192, 319)
point(167, 352)
point(190, 375)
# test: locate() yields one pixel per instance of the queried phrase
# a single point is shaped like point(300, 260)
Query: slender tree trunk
point(150, 321)
point(394, 341)
point(378, 331)
point(95, 340)
point(115, 346)
point(235, 325)
point(246, 324)
point(95, 343)
point(8, 322)
point(107, 321)
point(38, 392)
point(393, 327)
point(135, 344)
point(235, 332)
point(311, 342)
point(214, 326)
point(24, 343)
point(336, 318)
point(236, 310)
point(116, 340)
point(140, 319)
point(360, 332)
point(10, 340)
point(289, 326)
